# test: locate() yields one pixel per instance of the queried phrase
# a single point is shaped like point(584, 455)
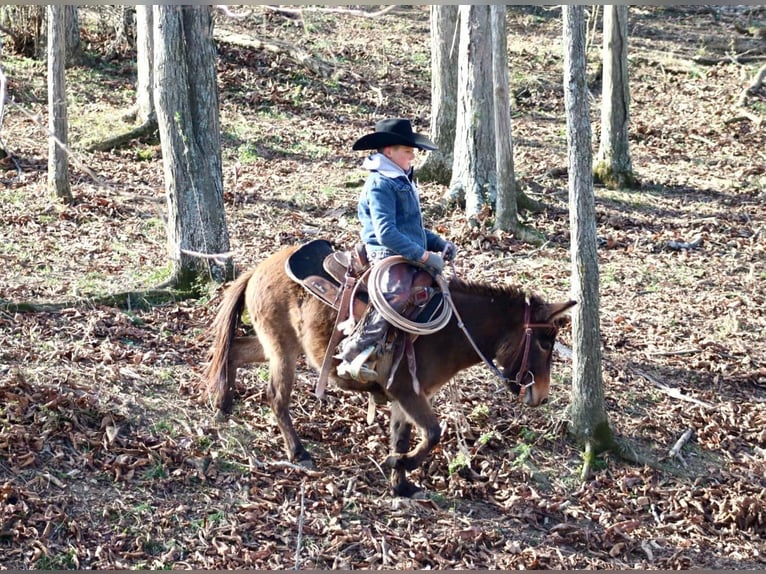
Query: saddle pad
point(308, 259)
point(306, 267)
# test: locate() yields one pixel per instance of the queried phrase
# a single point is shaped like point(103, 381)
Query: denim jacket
point(389, 211)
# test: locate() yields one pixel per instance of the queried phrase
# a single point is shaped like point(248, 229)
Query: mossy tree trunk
point(187, 111)
point(587, 409)
point(473, 171)
point(613, 164)
point(437, 166)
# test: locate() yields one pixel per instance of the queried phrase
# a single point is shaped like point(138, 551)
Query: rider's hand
point(434, 261)
point(449, 251)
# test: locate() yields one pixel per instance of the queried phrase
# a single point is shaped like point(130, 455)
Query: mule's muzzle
point(527, 389)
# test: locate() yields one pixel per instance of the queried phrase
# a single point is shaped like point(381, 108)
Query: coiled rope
point(374, 286)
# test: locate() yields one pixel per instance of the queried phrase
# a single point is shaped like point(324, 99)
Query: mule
point(515, 330)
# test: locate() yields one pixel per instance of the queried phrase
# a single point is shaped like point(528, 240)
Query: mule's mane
point(458, 285)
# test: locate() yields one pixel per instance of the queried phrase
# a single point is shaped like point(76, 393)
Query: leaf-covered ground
point(111, 458)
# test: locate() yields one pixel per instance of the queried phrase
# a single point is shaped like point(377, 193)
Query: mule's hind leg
point(415, 409)
point(281, 380)
point(244, 351)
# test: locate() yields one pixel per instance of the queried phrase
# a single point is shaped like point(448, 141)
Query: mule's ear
point(556, 311)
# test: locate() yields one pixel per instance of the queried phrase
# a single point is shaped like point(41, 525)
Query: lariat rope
point(389, 313)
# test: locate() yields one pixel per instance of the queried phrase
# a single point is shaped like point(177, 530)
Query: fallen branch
point(566, 353)
point(681, 245)
point(755, 85)
point(675, 353)
point(737, 59)
point(316, 65)
point(672, 391)
point(301, 518)
point(676, 450)
point(345, 11)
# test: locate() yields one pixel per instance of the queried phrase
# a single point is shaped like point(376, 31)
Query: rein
point(526, 341)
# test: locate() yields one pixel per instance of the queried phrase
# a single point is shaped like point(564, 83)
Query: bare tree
point(186, 98)
point(123, 30)
point(72, 35)
point(506, 205)
point(144, 109)
point(437, 166)
point(145, 65)
point(473, 172)
point(613, 165)
point(58, 161)
point(24, 24)
point(587, 410)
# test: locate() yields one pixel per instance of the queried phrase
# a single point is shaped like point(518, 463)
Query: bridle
point(526, 342)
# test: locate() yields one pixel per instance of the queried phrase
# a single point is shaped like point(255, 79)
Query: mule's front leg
point(401, 431)
point(417, 410)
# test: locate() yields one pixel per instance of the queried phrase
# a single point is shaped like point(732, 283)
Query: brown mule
point(516, 331)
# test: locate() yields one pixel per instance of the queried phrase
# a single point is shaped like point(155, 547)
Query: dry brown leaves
point(110, 459)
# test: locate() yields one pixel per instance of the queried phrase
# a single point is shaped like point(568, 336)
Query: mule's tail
point(223, 330)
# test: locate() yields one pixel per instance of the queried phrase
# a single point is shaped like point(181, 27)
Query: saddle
point(323, 272)
point(338, 279)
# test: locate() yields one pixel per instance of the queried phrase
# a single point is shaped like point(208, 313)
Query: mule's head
point(526, 359)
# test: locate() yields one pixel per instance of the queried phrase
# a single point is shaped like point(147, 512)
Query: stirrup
point(356, 369)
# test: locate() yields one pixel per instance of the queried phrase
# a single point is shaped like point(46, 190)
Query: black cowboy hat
point(397, 131)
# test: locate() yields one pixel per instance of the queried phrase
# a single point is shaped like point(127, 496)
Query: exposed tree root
point(145, 129)
point(127, 300)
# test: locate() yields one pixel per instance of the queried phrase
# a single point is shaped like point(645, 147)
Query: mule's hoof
point(305, 460)
point(221, 416)
point(407, 489)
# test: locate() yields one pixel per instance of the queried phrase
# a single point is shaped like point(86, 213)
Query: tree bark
point(507, 215)
point(145, 64)
point(613, 164)
point(72, 35)
point(58, 161)
point(437, 166)
point(587, 409)
point(186, 100)
point(473, 173)
point(25, 26)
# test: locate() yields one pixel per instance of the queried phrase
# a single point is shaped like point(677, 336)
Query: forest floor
point(110, 457)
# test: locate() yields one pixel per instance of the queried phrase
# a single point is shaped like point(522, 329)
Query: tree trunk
point(187, 111)
point(145, 64)
point(613, 165)
point(123, 30)
point(587, 410)
point(507, 216)
point(72, 35)
point(473, 172)
point(437, 166)
point(58, 161)
point(25, 26)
